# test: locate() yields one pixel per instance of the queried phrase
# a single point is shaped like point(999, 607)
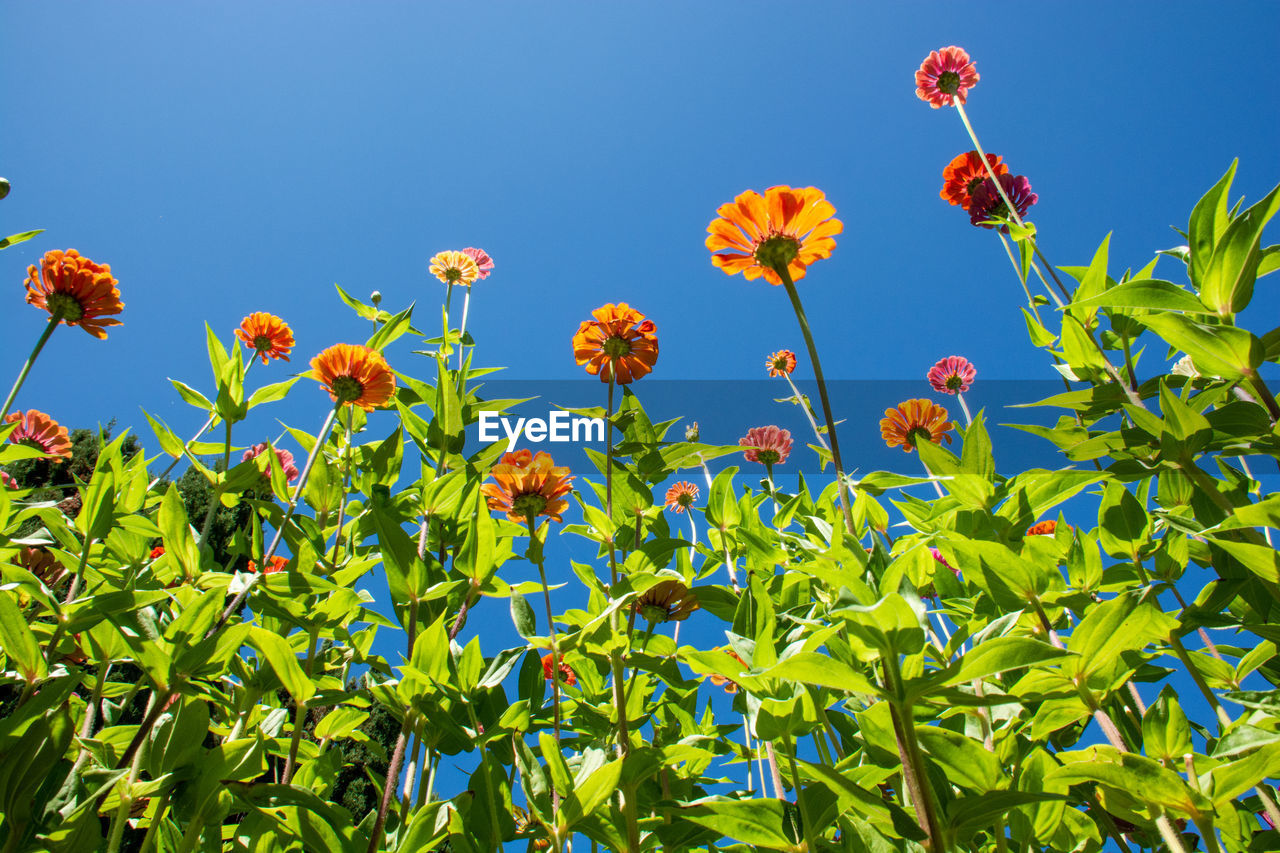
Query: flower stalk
point(54, 319)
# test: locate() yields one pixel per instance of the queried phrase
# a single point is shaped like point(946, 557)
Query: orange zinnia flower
point(567, 675)
point(454, 267)
point(781, 363)
point(965, 174)
point(913, 419)
point(528, 487)
point(681, 496)
point(1043, 528)
point(267, 335)
point(619, 344)
point(276, 564)
point(354, 374)
point(666, 601)
point(783, 228)
point(38, 430)
point(729, 685)
point(76, 290)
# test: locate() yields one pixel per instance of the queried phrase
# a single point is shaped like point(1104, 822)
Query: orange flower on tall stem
point(354, 374)
point(454, 267)
point(784, 227)
point(680, 496)
point(567, 675)
point(38, 430)
point(273, 565)
point(528, 486)
point(267, 335)
point(965, 174)
point(781, 363)
point(75, 290)
point(913, 420)
point(620, 344)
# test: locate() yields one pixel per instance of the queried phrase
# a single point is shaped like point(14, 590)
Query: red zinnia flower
point(38, 430)
point(286, 460)
point(945, 77)
point(951, 375)
point(912, 420)
point(987, 203)
point(484, 263)
point(681, 496)
point(781, 363)
point(965, 173)
point(768, 445)
point(277, 564)
point(157, 552)
point(566, 674)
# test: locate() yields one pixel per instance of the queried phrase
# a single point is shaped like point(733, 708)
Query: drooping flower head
point(76, 289)
point(528, 486)
point(987, 203)
point(781, 363)
point(730, 686)
point(454, 267)
point(275, 564)
point(286, 460)
point(41, 563)
point(937, 556)
point(354, 374)
point(952, 375)
point(945, 77)
point(484, 263)
point(267, 335)
point(567, 675)
point(965, 174)
point(681, 496)
point(913, 419)
point(38, 430)
point(767, 445)
point(619, 343)
point(785, 227)
point(666, 601)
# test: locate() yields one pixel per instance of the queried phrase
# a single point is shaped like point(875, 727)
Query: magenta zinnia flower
point(945, 76)
point(482, 259)
point(953, 374)
point(987, 203)
point(286, 460)
point(768, 445)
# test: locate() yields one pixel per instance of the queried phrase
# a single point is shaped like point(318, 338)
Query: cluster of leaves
point(879, 701)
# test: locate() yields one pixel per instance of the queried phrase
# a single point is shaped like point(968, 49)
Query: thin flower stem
point(462, 331)
point(1017, 269)
point(346, 487)
point(215, 498)
point(300, 713)
point(238, 601)
point(936, 487)
point(805, 822)
point(207, 424)
point(1268, 399)
point(968, 418)
point(841, 481)
point(608, 476)
point(728, 560)
point(771, 756)
point(808, 412)
point(389, 787)
point(551, 634)
point(54, 319)
point(749, 754)
point(126, 797)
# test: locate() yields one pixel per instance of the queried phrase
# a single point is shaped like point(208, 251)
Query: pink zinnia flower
point(937, 555)
point(953, 374)
point(945, 76)
point(986, 202)
point(285, 457)
point(482, 259)
point(7, 480)
point(769, 445)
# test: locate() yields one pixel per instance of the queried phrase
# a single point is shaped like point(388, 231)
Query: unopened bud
point(4, 187)
point(691, 432)
point(375, 298)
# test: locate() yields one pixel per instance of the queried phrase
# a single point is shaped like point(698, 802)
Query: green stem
point(54, 319)
point(807, 824)
point(841, 482)
point(300, 713)
point(462, 333)
point(808, 411)
point(1268, 399)
point(215, 498)
point(608, 477)
point(346, 487)
point(913, 771)
point(149, 840)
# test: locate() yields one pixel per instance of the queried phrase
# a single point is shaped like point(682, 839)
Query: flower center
point(347, 389)
point(616, 346)
point(654, 613)
point(949, 82)
point(453, 274)
point(974, 183)
point(685, 499)
point(915, 433)
point(262, 342)
point(65, 306)
point(768, 457)
point(954, 382)
point(530, 505)
point(777, 251)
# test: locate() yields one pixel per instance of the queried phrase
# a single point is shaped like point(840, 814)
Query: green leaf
point(280, 655)
point(175, 528)
point(761, 822)
point(591, 792)
point(20, 237)
point(1129, 774)
point(1226, 285)
point(1165, 731)
point(431, 651)
point(522, 615)
point(192, 396)
point(1002, 654)
point(1225, 351)
point(1150, 293)
point(963, 760)
point(1209, 218)
point(476, 559)
point(819, 669)
point(273, 392)
point(1228, 781)
point(18, 641)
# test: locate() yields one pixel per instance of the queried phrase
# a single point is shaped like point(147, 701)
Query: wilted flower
point(619, 343)
point(730, 686)
point(567, 675)
point(681, 496)
point(528, 486)
point(38, 430)
point(768, 445)
point(666, 601)
point(454, 267)
point(965, 174)
point(691, 432)
point(41, 563)
point(952, 375)
point(267, 335)
point(945, 77)
point(785, 227)
point(987, 203)
point(484, 263)
point(525, 826)
point(286, 460)
point(781, 363)
point(75, 289)
point(354, 374)
point(912, 420)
